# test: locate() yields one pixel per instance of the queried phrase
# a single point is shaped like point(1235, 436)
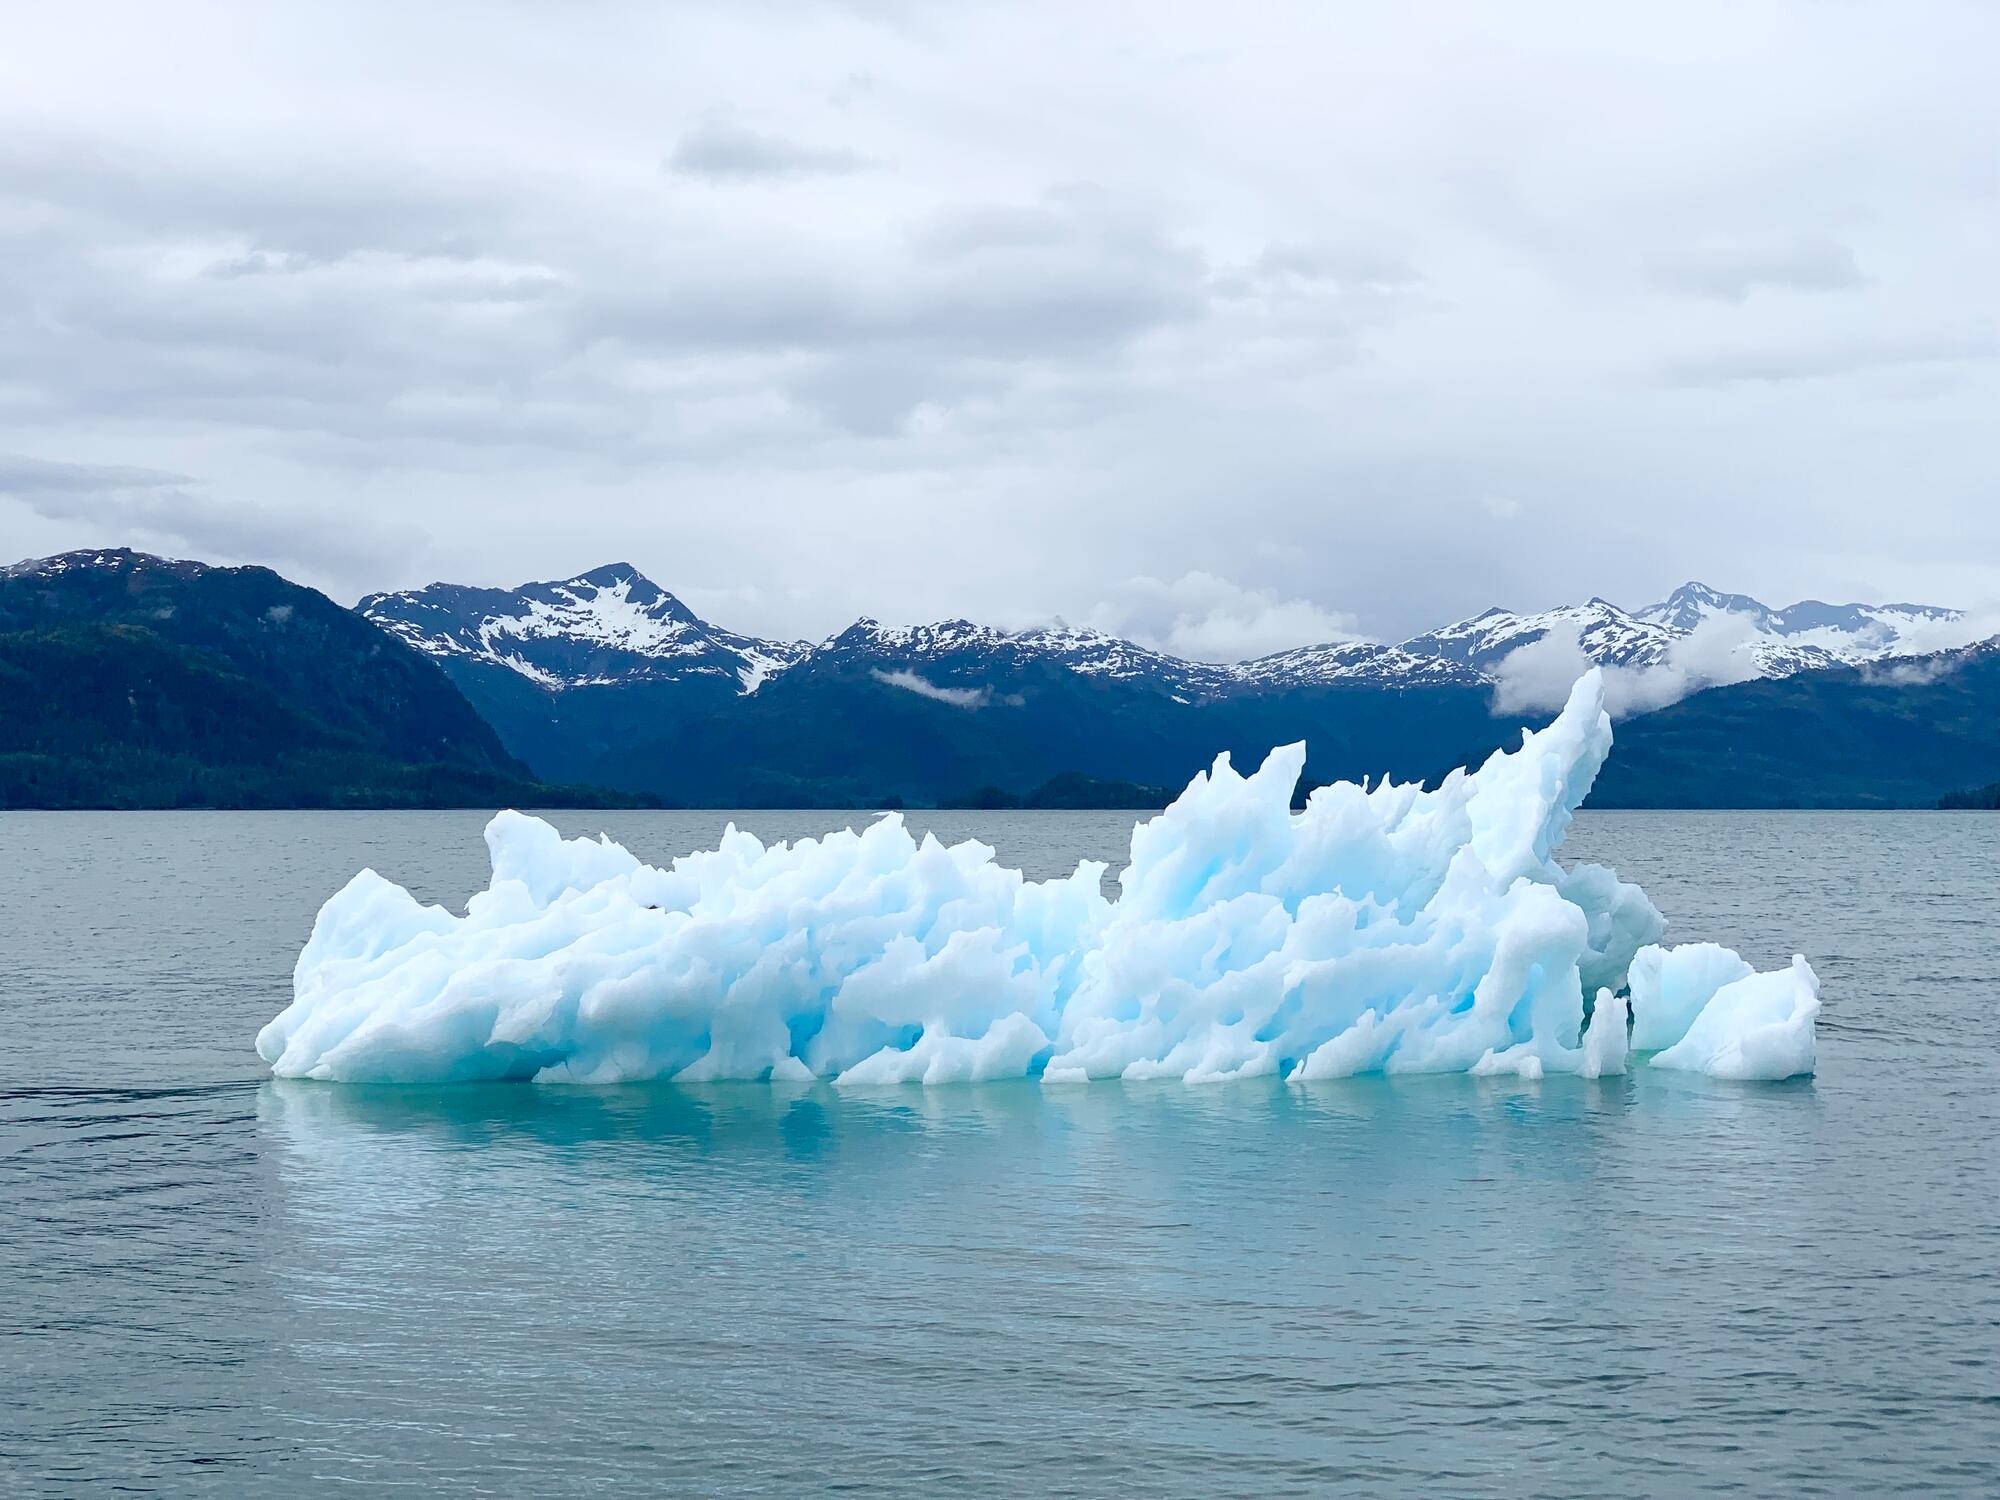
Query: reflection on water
point(691, 1123)
point(216, 1282)
point(1269, 1286)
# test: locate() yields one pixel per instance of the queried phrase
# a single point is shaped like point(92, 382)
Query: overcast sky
point(1229, 326)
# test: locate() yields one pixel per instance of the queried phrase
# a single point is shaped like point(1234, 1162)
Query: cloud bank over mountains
point(1201, 617)
point(1378, 316)
point(1539, 675)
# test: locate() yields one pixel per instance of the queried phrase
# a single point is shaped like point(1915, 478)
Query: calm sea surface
point(212, 1282)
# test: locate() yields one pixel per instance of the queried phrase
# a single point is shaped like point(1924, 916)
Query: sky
point(1230, 328)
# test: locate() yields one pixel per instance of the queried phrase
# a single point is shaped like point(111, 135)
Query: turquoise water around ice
point(211, 1282)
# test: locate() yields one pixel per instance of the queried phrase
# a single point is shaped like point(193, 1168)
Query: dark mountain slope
point(1897, 733)
point(839, 732)
point(131, 681)
point(293, 642)
point(1975, 799)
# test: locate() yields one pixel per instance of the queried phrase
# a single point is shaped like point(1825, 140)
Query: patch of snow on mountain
point(603, 616)
point(1354, 662)
point(603, 628)
point(977, 649)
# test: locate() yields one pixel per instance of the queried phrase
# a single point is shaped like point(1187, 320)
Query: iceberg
point(1755, 1026)
point(1383, 929)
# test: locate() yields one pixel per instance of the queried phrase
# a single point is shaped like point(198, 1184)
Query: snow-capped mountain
point(610, 625)
point(1772, 642)
point(1843, 632)
point(955, 646)
point(1354, 662)
point(101, 560)
point(614, 626)
point(1607, 635)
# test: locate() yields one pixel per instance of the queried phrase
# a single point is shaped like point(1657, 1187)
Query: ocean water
point(211, 1282)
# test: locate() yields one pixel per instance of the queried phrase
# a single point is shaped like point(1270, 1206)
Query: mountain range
point(608, 678)
point(614, 626)
point(132, 680)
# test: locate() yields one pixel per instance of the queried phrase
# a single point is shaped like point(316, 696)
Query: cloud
point(20, 475)
point(1730, 273)
point(1922, 644)
point(254, 315)
point(1352, 263)
point(924, 688)
point(965, 310)
point(1537, 677)
point(1205, 618)
point(167, 512)
point(1500, 507)
point(1823, 361)
point(723, 152)
point(1918, 672)
point(1104, 280)
point(1256, 314)
point(977, 228)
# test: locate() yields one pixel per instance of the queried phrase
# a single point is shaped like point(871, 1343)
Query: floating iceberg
point(1385, 929)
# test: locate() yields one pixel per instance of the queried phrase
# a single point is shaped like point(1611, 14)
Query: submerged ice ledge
point(1385, 929)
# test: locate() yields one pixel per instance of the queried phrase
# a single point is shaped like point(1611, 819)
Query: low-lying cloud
point(1538, 676)
point(1918, 671)
point(1202, 617)
point(923, 687)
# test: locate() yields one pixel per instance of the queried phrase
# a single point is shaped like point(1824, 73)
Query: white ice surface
point(1671, 985)
point(1389, 929)
point(1759, 1026)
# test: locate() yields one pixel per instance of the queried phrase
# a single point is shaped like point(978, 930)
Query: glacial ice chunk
point(1759, 1026)
point(1381, 929)
point(1671, 985)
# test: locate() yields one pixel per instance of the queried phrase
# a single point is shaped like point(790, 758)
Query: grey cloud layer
point(726, 151)
point(1731, 273)
point(1007, 311)
point(172, 514)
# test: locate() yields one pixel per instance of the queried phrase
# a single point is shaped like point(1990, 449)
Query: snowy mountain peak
point(1691, 603)
point(610, 575)
point(610, 625)
point(96, 559)
point(1818, 633)
point(1357, 662)
point(870, 637)
point(1607, 634)
point(962, 646)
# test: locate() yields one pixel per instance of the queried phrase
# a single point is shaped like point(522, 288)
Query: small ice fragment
point(1758, 1027)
